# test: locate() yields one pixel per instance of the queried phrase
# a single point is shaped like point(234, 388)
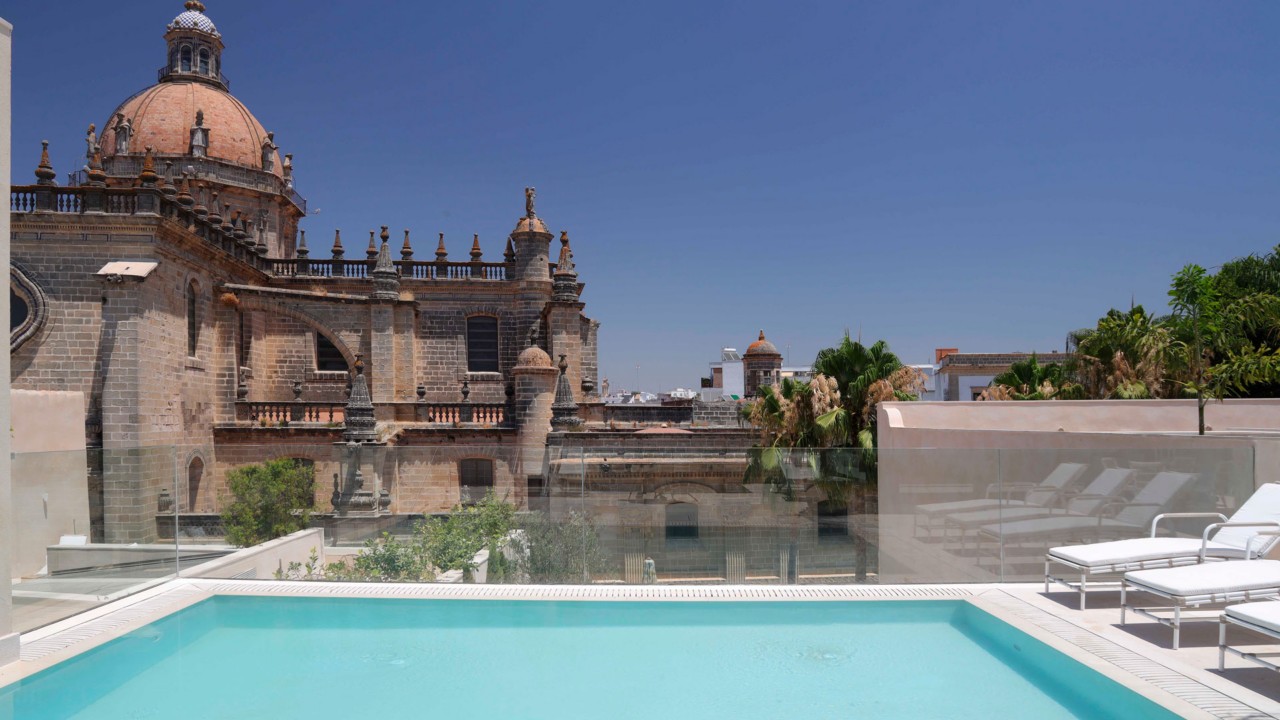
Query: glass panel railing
point(91, 526)
point(667, 510)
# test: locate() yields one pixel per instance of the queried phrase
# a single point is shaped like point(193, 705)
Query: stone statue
point(268, 152)
point(124, 132)
point(604, 387)
point(530, 194)
point(199, 136)
point(286, 168)
point(91, 141)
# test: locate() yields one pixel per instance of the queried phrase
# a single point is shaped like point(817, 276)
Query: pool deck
point(1138, 655)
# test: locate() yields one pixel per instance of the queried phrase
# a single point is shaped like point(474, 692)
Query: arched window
point(482, 344)
point(328, 357)
point(475, 478)
point(195, 474)
point(682, 521)
point(204, 61)
point(193, 330)
point(185, 66)
point(19, 311)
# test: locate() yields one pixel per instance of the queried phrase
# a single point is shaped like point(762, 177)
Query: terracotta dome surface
point(163, 114)
point(530, 224)
point(534, 356)
point(761, 347)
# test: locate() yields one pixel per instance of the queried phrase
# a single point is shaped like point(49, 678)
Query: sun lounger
point(1193, 586)
point(1132, 518)
point(1102, 490)
point(1042, 495)
point(1229, 542)
point(1260, 617)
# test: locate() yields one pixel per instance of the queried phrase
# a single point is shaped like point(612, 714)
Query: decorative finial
point(195, 5)
point(372, 251)
point(337, 244)
point(565, 263)
point(214, 218)
point(95, 174)
point(302, 244)
point(200, 210)
point(166, 183)
point(475, 248)
point(227, 228)
point(44, 171)
point(406, 250)
point(441, 254)
point(761, 334)
point(563, 364)
point(148, 175)
point(359, 364)
point(184, 191)
point(530, 194)
point(509, 255)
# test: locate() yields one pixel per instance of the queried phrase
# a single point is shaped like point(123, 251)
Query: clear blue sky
point(980, 175)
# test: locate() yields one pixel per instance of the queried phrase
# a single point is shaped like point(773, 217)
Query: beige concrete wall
point(1094, 416)
point(50, 483)
point(262, 561)
point(8, 639)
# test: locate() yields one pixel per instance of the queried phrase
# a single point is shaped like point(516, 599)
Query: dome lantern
point(195, 48)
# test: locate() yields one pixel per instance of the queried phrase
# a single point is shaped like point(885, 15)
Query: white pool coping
point(1184, 691)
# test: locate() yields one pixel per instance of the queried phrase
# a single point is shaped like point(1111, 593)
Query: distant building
point(726, 377)
point(963, 376)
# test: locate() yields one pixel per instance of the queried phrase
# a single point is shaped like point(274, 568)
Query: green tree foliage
point(1029, 380)
point(1219, 329)
point(1222, 339)
point(269, 500)
point(824, 432)
point(559, 552)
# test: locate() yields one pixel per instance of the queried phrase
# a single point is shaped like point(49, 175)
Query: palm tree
point(1129, 355)
point(1029, 380)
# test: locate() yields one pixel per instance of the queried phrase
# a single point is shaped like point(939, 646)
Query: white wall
point(734, 381)
point(8, 639)
point(50, 480)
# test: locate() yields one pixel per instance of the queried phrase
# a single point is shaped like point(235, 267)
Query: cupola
point(195, 48)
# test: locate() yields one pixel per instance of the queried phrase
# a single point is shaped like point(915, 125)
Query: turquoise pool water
point(279, 658)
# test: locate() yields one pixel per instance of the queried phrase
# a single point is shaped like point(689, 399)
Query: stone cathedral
point(168, 281)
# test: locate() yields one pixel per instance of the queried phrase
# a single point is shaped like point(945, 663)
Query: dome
point(193, 18)
point(761, 347)
point(530, 224)
point(162, 116)
point(534, 356)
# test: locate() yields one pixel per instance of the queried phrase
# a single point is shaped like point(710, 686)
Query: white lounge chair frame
point(1177, 603)
point(1224, 619)
point(1088, 571)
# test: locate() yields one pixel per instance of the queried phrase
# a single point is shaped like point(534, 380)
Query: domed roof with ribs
point(761, 347)
point(163, 114)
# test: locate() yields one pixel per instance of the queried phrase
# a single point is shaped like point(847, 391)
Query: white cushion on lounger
point(1140, 550)
point(1264, 614)
point(1210, 578)
point(1053, 526)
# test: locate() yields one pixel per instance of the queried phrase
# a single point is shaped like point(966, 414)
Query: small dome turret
point(761, 347)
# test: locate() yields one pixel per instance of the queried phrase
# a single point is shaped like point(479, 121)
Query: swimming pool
point(320, 658)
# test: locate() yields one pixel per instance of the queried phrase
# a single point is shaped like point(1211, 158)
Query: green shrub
point(269, 500)
point(560, 552)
